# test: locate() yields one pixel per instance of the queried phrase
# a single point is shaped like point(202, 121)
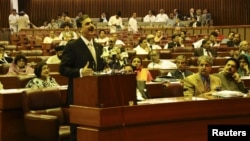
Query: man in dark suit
point(182, 71)
point(205, 49)
point(3, 57)
point(80, 58)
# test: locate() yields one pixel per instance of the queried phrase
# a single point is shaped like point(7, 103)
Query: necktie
point(206, 84)
point(92, 50)
point(208, 53)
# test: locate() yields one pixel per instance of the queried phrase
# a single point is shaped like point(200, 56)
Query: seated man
point(202, 82)
point(243, 49)
point(151, 42)
point(56, 59)
point(4, 59)
point(230, 78)
point(52, 37)
point(181, 71)
point(157, 63)
point(177, 41)
point(205, 49)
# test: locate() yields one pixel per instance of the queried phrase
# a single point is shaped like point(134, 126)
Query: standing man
point(13, 21)
point(132, 24)
point(80, 58)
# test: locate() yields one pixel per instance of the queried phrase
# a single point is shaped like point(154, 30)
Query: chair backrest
point(43, 101)
point(173, 90)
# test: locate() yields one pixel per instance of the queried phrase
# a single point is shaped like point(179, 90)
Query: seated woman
point(20, 66)
point(142, 76)
point(42, 79)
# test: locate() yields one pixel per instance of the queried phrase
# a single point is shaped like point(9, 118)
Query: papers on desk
point(165, 80)
point(228, 94)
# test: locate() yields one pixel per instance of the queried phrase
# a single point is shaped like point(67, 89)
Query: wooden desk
point(11, 114)
point(177, 119)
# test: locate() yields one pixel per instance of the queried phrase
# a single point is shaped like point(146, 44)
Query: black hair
point(119, 13)
point(19, 57)
point(244, 57)
point(214, 33)
point(142, 39)
point(79, 20)
point(2, 46)
point(235, 60)
point(38, 68)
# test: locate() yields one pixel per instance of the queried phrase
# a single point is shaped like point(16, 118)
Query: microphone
point(124, 56)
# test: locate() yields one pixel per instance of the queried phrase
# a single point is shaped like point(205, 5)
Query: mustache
point(91, 28)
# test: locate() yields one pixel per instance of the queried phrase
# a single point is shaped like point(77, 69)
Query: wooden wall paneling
point(224, 12)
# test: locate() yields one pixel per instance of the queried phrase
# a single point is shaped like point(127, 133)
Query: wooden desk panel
point(11, 113)
point(183, 120)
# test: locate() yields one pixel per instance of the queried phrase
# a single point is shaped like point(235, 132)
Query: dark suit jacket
point(8, 59)
point(75, 56)
point(197, 24)
point(173, 44)
point(200, 52)
point(178, 75)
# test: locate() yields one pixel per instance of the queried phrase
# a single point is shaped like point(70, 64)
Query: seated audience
point(52, 37)
point(4, 59)
point(143, 75)
point(162, 16)
point(243, 49)
point(183, 35)
point(178, 23)
point(244, 65)
point(230, 78)
point(205, 49)
point(202, 82)
point(212, 37)
point(102, 38)
point(117, 41)
point(140, 88)
point(157, 63)
point(177, 41)
point(56, 59)
point(194, 22)
point(158, 36)
point(116, 59)
point(235, 42)
point(53, 24)
point(171, 20)
point(20, 66)
point(150, 17)
point(142, 47)
point(181, 72)
point(229, 37)
point(42, 79)
point(104, 18)
point(151, 41)
point(64, 35)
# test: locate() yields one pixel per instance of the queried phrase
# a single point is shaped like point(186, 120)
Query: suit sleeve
point(188, 87)
point(67, 67)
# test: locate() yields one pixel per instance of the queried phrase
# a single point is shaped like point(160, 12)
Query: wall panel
point(225, 12)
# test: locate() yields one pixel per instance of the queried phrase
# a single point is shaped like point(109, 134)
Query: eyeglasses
point(88, 23)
